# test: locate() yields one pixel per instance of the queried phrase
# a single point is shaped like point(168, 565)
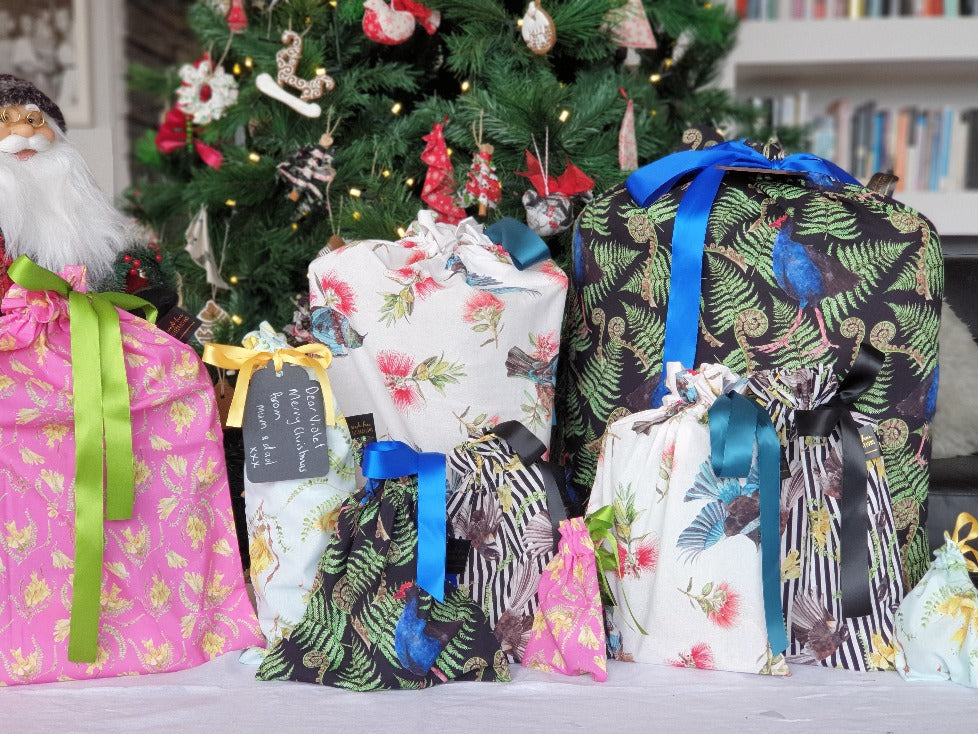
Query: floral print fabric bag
point(369, 625)
point(439, 335)
point(568, 633)
point(290, 522)
point(688, 589)
point(937, 622)
point(812, 524)
point(172, 590)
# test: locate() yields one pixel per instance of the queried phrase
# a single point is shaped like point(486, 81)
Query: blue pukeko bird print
point(419, 641)
point(333, 329)
point(922, 402)
point(807, 275)
point(733, 509)
point(483, 282)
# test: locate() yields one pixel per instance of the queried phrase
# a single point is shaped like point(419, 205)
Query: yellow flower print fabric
point(173, 593)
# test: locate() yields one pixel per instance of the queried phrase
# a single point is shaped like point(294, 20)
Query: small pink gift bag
point(83, 595)
point(568, 629)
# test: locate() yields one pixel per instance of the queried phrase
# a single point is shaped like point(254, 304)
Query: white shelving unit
point(893, 61)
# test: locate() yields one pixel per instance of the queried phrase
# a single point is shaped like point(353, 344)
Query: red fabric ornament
point(394, 23)
point(483, 185)
point(177, 131)
point(237, 19)
point(438, 191)
point(571, 182)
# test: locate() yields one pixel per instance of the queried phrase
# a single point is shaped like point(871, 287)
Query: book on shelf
point(970, 118)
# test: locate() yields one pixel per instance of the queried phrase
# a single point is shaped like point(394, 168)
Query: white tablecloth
point(223, 696)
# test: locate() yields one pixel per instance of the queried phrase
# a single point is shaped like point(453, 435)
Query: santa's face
point(24, 131)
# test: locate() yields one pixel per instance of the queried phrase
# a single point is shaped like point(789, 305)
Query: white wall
point(104, 144)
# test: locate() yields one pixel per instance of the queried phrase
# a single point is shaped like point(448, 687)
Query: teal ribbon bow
point(736, 423)
point(689, 233)
point(102, 418)
point(392, 459)
point(524, 246)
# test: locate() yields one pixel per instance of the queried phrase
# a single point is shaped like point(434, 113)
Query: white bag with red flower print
point(688, 588)
point(438, 335)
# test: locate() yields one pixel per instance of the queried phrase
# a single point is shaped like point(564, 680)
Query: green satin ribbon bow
point(101, 414)
point(599, 526)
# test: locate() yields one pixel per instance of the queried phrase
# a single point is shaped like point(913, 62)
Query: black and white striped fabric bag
point(505, 501)
point(831, 547)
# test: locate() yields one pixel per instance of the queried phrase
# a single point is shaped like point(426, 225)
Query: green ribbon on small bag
point(599, 526)
point(103, 435)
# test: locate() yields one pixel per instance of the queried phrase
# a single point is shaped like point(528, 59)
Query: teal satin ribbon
point(524, 245)
point(102, 417)
point(689, 232)
point(736, 423)
point(392, 459)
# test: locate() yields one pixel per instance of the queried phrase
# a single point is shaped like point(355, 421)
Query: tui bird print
point(806, 275)
point(333, 329)
point(733, 509)
point(537, 371)
point(481, 529)
point(417, 641)
point(815, 629)
point(483, 282)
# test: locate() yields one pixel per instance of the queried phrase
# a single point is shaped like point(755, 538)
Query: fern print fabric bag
point(378, 617)
point(937, 623)
point(439, 335)
point(505, 502)
point(290, 522)
point(688, 589)
point(795, 270)
point(834, 558)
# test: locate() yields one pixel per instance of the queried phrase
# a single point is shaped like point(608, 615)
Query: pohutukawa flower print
point(403, 378)
point(484, 311)
point(417, 285)
point(719, 602)
point(699, 656)
point(644, 557)
point(553, 271)
point(335, 293)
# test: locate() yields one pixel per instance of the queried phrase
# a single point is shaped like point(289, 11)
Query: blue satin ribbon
point(392, 459)
point(524, 245)
point(736, 423)
point(689, 232)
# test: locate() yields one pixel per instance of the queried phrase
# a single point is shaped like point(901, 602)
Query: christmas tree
point(306, 120)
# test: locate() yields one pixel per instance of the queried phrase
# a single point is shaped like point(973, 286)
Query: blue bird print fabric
point(688, 589)
point(368, 625)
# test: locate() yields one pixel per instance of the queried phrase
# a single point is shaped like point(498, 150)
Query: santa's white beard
point(52, 210)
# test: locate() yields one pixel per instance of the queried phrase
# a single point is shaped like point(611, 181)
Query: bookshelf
point(894, 61)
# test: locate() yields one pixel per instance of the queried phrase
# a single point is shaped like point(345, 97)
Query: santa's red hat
point(14, 90)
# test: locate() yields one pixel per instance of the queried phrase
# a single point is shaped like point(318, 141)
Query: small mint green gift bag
point(937, 623)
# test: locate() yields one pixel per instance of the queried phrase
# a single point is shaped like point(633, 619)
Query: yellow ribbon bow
point(247, 361)
point(966, 518)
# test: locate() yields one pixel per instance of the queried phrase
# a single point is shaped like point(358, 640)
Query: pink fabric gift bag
point(568, 629)
point(87, 597)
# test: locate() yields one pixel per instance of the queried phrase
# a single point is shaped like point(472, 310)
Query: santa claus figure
point(51, 209)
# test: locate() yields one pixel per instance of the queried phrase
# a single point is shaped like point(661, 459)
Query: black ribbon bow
point(530, 449)
point(821, 421)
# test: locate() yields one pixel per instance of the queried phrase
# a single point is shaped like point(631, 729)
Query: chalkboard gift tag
point(284, 427)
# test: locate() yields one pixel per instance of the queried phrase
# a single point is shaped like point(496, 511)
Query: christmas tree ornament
point(438, 191)
point(177, 131)
point(206, 91)
point(298, 332)
point(305, 171)
point(537, 27)
point(550, 204)
point(393, 24)
point(210, 316)
point(630, 29)
point(627, 144)
point(198, 238)
point(287, 61)
point(482, 187)
point(236, 17)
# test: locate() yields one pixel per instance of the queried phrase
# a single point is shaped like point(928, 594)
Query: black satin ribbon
point(530, 449)
point(853, 537)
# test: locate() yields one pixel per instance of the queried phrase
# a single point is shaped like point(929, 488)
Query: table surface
point(222, 696)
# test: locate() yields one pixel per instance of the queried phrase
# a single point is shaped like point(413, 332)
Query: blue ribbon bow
point(524, 246)
point(392, 459)
point(689, 233)
point(736, 423)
